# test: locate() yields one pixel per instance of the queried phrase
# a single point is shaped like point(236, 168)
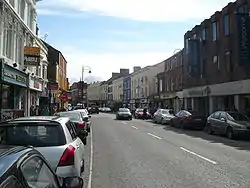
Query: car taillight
point(80, 125)
point(68, 157)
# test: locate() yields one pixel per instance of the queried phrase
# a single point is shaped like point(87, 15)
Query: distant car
point(79, 121)
point(163, 116)
point(124, 113)
point(86, 117)
point(55, 137)
point(106, 109)
point(139, 114)
point(93, 110)
point(25, 167)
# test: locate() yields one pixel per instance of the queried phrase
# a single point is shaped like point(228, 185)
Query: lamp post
point(84, 68)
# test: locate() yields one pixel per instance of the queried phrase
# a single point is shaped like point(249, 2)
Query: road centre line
point(197, 155)
point(154, 136)
point(91, 159)
point(134, 127)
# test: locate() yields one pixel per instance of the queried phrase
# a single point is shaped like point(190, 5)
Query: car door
point(11, 182)
point(36, 172)
point(215, 122)
point(77, 143)
point(157, 114)
point(222, 123)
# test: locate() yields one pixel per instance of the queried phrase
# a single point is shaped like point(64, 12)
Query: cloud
point(157, 10)
point(103, 64)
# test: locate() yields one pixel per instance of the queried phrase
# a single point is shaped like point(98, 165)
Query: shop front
point(13, 86)
point(35, 90)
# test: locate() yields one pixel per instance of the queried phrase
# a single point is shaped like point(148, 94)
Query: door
point(215, 122)
point(11, 182)
point(222, 123)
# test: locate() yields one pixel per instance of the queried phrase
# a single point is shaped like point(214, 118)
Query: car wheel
point(209, 129)
point(85, 141)
point(162, 121)
point(230, 133)
point(182, 125)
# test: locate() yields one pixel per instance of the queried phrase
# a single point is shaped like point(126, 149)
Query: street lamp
point(84, 68)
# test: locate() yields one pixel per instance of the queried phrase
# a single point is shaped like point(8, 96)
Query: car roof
point(11, 155)
point(52, 119)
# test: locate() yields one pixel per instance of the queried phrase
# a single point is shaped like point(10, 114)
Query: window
point(203, 34)
point(9, 43)
point(22, 8)
point(228, 62)
point(11, 182)
point(72, 130)
point(37, 174)
point(12, 2)
point(242, 8)
point(226, 27)
point(39, 135)
point(214, 31)
point(160, 85)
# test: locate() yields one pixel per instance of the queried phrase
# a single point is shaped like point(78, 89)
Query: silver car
point(86, 117)
point(55, 137)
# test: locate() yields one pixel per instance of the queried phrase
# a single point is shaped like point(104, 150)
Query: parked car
point(123, 113)
point(106, 109)
point(79, 122)
point(25, 167)
point(228, 123)
point(163, 116)
point(139, 114)
point(54, 137)
point(188, 119)
point(86, 117)
point(93, 110)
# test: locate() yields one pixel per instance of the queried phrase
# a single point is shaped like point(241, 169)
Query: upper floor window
point(12, 2)
point(214, 31)
point(226, 24)
point(203, 34)
point(242, 8)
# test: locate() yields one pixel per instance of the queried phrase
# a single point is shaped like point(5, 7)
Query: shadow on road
point(238, 144)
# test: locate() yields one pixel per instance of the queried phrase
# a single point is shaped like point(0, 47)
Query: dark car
point(188, 119)
point(229, 123)
point(93, 110)
point(78, 120)
point(25, 167)
point(123, 113)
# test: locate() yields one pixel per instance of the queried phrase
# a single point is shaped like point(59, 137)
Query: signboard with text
point(32, 55)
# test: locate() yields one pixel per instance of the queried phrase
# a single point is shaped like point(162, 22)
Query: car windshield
point(72, 116)
point(37, 135)
point(165, 112)
point(237, 117)
point(124, 110)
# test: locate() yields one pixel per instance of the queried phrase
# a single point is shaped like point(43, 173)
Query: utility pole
point(84, 68)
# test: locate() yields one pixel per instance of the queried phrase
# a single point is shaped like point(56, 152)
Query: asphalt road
point(137, 153)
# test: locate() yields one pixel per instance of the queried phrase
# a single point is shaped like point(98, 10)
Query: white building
point(144, 84)
point(117, 90)
point(17, 30)
point(104, 93)
point(94, 91)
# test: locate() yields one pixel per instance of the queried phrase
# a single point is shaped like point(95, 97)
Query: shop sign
point(32, 55)
point(14, 76)
point(35, 84)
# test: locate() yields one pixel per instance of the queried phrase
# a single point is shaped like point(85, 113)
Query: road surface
point(137, 153)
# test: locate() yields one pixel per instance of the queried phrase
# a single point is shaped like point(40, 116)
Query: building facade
point(118, 90)
point(94, 93)
point(79, 93)
point(104, 93)
point(170, 83)
point(127, 90)
point(217, 56)
point(57, 76)
point(17, 30)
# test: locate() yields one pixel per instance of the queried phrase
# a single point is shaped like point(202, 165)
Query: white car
point(163, 116)
point(54, 137)
point(86, 117)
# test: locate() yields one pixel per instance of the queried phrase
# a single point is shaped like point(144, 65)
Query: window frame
point(9, 180)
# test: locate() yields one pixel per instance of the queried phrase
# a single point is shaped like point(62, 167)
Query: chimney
point(124, 72)
point(136, 68)
point(115, 74)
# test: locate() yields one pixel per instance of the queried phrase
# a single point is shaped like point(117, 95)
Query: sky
point(106, 35)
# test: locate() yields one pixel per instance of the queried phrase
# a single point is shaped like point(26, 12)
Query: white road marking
point(134, 127)
point(91, 158)
point(124, 122)
point(197, 155)
point(155, 136)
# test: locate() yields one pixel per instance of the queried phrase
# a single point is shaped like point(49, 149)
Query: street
point(139, 153)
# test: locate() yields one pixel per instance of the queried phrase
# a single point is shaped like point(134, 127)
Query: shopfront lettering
point(18, 78)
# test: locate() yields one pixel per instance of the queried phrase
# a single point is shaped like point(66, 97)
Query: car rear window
point(37, 135)
point(72, 116)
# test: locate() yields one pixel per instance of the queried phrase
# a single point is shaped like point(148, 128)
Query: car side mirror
point(223, 119)
point(72, 182)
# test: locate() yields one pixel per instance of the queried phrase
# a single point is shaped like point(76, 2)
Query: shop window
point(7, 97)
